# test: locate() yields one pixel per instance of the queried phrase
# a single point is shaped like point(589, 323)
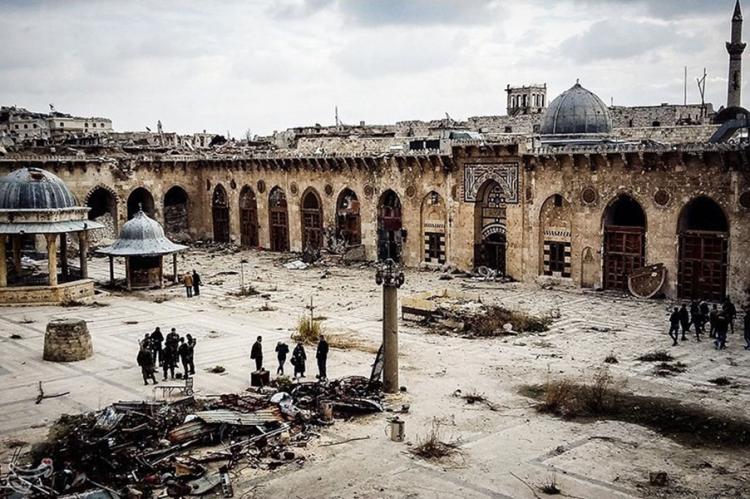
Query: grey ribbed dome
point(576, 111)
point(142, 236)
point(34, 189)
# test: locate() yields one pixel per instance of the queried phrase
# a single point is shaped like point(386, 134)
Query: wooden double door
point(624, 252)
point(702, 272)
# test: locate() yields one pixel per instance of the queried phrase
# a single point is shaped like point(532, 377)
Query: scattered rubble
point(185, 447)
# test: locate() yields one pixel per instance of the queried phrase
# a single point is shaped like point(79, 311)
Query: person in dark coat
point(731, 312)
point(170, 355)
point(190, 342)
point(256, 353)
point(156, 340)
point(196, 283)
point(697, 319)
point(674, 326)
point(684, 321)
point(172, 339)
point(298, 360)
point(705, 312)
point(747, 328)
point(322, 357)
point(282, 349)
point(182, 351)
point(145, 360)
point(721, 325)
point(146, 341)
point(712, 321)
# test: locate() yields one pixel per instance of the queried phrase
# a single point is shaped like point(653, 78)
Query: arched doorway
point(248, 218)
point(312, 220)
point(176, 213)
point(102, 202)
point(390, 237)
point(348, 226)
point(139, 199)
point(433, 228)
point(555, 228)
point(490, 227)
point(703, 232)
point(220, 214)
point(278, 220)
point(624, 241)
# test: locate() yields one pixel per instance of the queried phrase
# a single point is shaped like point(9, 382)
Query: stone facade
point(663, 180)
point(67, 340)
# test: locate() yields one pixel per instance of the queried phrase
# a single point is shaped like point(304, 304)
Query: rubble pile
point(184, 447)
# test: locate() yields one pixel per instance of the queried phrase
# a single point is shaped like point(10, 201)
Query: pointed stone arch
point(248, 218)
point(312, 219)
point(390, 236)
point(624, 248)
point(433, 222)
point(348, 221)
point(278, 219)
point(220, 215)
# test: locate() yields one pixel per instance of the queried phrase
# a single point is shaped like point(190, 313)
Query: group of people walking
point(298, 360)
point(714, 320)
point(192, 282)
point(176, 348)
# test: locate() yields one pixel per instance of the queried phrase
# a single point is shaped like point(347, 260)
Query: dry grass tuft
point(611, 359)
point(658, 356)
point(432, 447)
point(721, 381)
point(308, 330)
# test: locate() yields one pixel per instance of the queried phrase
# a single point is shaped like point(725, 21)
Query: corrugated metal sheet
point(188, 431)
point(257, 418)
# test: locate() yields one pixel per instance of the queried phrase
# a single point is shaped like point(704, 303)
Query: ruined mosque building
point(570, 190)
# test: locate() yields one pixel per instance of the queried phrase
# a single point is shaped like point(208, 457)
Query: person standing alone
point(282, 349)
point(196, 283)
point(322, 356)
point(145, 360)
point(256, 353)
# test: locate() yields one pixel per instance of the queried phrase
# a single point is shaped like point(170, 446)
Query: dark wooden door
point(249, 227)
point(221, 224)
point(312, 229)
point(624, 252)
point(702, 273)
point(279, 230)
point(490, 253)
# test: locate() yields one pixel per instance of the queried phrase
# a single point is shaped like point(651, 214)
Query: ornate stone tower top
point(735, 48)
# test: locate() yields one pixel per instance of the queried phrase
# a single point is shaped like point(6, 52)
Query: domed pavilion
point(143, 245)
point(35, 202)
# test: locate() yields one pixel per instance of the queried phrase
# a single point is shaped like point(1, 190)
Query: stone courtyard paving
point(507, 452)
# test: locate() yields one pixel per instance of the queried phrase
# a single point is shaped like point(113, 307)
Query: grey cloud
point(669, 9)
point(617, 39)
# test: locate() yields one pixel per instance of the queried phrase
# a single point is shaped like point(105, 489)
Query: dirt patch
point(216, 370)
point(475, 398)
point(489, 321)
point(245, 291)
point(667, 369)
point(601, 399)
point(721, 381)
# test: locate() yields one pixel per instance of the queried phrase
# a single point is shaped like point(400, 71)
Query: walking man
point(145, 360)
point(747, 328)
point(298, 360)
point(697, 319)
point(684, 321)
point(156, 340)
point(712, 321)
point(282, 349)
point(196, 283)
point(674, 326)
point(256, 353)
point(721, 324)
point(187, 280)
point(322, 356)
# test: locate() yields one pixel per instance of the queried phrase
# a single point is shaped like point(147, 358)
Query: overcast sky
point(268, 65)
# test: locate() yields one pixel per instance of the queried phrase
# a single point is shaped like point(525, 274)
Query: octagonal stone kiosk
point(67, 340)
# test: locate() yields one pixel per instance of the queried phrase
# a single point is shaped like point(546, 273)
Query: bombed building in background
point(571, 190)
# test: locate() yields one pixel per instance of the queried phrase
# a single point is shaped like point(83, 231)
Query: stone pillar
point(390, 339)
point(174, 267)
point(64, 254)
point(111, 270)
point(83, 249)
point(127, 272)
point(52, 258)
point(17, 253)
point(3, 267)
point(161, 271)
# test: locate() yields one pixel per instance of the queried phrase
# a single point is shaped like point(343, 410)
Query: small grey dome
point(141, 236)
point(34, 189)
point(576, 111)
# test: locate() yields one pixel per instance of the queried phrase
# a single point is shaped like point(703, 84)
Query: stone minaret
point(735, 49)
